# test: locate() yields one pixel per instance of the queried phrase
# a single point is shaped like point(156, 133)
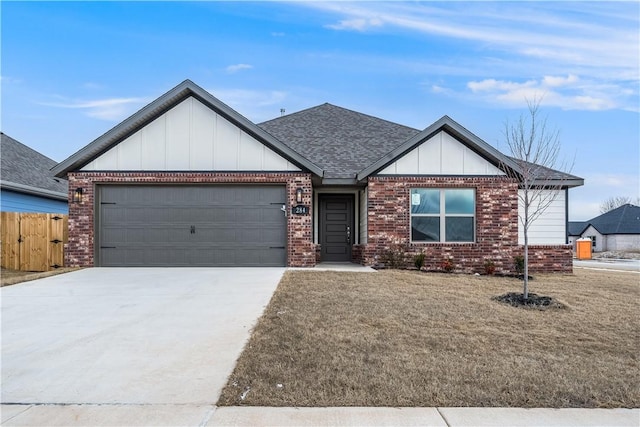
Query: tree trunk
point(526, 267)
point(525, 291)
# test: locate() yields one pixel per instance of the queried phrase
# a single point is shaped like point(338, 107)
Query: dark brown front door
point(336, 227)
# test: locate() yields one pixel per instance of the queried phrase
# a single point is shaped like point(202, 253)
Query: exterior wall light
point(77, 195)
point(299, 195)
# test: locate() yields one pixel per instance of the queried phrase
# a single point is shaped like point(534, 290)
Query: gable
point(190, 137)
point(181, 136)
point(591, 231)
point(441, 154)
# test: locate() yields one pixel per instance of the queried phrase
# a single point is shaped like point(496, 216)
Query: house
point(189, 181)
point(616, 230)
point(26, 181)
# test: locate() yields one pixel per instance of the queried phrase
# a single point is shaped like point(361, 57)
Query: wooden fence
point(33, 241)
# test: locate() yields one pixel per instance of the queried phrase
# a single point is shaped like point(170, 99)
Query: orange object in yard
point(583, 248)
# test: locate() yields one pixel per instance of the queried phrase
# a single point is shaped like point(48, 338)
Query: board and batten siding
point(442, 154)
point(550, 228)
point(190, 137)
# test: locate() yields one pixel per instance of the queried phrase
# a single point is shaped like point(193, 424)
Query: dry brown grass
point(400, 338)
point(12, 277)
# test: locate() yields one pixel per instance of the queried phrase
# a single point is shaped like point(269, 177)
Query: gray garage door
point(188, 225)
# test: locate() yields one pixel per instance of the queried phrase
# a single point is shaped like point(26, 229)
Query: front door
point(336, 227)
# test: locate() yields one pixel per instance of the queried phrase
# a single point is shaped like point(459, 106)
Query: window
point(442, 215)
point(593, 241)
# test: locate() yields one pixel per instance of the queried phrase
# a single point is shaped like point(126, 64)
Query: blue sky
point(72, 70)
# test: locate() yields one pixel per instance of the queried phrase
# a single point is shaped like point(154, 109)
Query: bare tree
point(615, 202)
point(534, 150)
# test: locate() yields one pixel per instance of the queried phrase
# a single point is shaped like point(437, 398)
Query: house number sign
point(300, 210)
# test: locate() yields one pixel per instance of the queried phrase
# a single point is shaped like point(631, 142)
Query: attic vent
point(282, 112)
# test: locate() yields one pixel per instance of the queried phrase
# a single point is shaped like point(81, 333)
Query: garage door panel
point(221, 225)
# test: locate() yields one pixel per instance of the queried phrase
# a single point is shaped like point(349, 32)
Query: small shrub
point(418, 260)
point(447, 265)
point(395, 257)
point(518, 263)
point(489, 267)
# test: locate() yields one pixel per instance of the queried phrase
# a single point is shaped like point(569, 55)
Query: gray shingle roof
point(622, 220)
point(340, 141)
point(25, 170)
point(543, 172)
point(575, 228)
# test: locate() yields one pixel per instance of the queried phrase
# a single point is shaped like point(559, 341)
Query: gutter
point(35, 191)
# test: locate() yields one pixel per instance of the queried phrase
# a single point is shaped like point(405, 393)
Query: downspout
point(566, 216)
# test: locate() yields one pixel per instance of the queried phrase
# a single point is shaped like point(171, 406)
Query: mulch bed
point(535, 301)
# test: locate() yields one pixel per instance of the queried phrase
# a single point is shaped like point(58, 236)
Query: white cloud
point(111, 109)
point(574, 48)
point(238, 67)
point(567, 92)
point(438, 89)
point(490, 85)
point(556, 81)
point(358, 24)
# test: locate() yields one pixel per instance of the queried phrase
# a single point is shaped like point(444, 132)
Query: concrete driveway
point(126, 337)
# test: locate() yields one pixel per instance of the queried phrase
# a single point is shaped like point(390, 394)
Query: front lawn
point(402, 338)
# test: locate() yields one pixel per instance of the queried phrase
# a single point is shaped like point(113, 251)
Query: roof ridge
point(341, 108)
point(371, 116)
point(292, 114)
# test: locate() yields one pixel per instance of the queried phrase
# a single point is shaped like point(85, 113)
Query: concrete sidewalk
point(627, 265)
point(209, 415)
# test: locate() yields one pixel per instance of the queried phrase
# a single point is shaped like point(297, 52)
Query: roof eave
point(559, 183)
point(34, 191)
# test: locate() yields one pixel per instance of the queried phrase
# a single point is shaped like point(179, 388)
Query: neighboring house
point(26, 181)
point(189, 181)
point(616, 230)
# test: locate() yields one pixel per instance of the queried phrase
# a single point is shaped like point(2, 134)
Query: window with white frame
point(443, 215)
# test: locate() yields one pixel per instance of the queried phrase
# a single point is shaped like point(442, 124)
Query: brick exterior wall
point(550, 258)
point(389, 227)
point(388, 220)
point(79, 251)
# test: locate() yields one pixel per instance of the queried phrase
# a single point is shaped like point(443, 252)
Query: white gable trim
point(442, 154)
point(190, 137)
